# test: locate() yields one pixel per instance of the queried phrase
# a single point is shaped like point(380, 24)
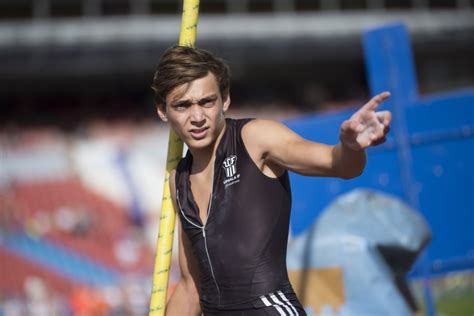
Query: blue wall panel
point(427, 160)
point(445, 180)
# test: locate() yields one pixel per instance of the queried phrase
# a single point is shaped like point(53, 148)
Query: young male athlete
point(232, 191)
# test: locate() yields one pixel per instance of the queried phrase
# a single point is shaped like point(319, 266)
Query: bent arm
point(185, 297)
point(277, 144)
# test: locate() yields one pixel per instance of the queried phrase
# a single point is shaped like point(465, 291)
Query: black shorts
point(278, 304)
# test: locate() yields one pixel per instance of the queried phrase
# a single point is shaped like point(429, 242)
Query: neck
point(203, 158)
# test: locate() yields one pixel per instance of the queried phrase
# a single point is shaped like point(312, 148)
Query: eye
point(209, 102)
point(180, 107)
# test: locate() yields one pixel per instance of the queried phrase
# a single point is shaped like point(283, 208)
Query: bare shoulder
point(262, 126)
point(254, 134)
point(266, 134)
point(260, 130)
point(261, 137)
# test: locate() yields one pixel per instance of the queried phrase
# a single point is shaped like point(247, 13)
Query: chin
point(199, 144)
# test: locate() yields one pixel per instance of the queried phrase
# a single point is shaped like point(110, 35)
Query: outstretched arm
point(272, 143)
point(185, 298)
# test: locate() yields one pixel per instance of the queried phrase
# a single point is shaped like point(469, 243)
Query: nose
point(197, 114)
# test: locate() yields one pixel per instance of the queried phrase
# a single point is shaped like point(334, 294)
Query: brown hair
point(180, 65)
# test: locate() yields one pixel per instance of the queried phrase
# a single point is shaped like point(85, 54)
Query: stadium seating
point(87, 255)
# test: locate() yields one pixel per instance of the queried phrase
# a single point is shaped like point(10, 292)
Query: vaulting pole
point(187, 37)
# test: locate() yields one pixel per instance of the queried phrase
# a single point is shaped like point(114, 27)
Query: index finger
point(376, 101)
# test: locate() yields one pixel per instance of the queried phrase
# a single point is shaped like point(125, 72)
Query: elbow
point(347, 163)
point(184, 300)
point(352, 173)
point(190, 288)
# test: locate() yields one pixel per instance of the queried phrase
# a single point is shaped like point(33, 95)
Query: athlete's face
point(196, 112)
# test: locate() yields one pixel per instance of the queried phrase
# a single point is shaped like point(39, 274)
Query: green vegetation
point(459, 304)
point(453, 294)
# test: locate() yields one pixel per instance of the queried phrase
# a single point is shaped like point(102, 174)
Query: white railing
point(43, 9)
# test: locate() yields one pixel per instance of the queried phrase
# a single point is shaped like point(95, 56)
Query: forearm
point(183, 301)
point(348, 163)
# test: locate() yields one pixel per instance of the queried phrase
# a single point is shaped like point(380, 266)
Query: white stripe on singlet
point(277, 301)
point(283, 297)
point(267, 303)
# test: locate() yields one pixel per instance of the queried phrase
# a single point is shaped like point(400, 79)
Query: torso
point(201, 180)
point(201, 184)
point(239, 236)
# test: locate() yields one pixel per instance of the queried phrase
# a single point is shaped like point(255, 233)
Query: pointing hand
point(366, 127)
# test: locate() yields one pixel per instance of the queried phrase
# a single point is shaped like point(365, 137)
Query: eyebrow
point(201, 101)
point(181, 103)
point(209, 98)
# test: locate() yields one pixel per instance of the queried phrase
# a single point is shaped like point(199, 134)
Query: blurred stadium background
point(82, 152)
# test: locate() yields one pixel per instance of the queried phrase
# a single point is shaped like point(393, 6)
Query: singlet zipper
point(203, 228)
point(210, 265)
point(184, 215)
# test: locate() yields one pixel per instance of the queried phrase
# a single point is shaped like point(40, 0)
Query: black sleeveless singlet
point(241, 250)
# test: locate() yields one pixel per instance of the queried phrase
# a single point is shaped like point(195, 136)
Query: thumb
point(350, 126)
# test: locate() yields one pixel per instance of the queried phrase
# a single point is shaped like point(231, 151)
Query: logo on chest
point(230, 167)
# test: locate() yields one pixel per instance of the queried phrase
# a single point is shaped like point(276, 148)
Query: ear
point(161, 110)
point(226, 103)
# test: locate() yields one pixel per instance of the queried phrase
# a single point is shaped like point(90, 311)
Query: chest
point(201, 188)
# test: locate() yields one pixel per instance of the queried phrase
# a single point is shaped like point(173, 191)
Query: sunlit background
point(82, 151)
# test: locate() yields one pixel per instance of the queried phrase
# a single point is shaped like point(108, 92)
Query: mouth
point(199, 133)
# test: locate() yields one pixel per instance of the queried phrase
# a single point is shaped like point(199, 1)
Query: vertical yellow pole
point(164, 245)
